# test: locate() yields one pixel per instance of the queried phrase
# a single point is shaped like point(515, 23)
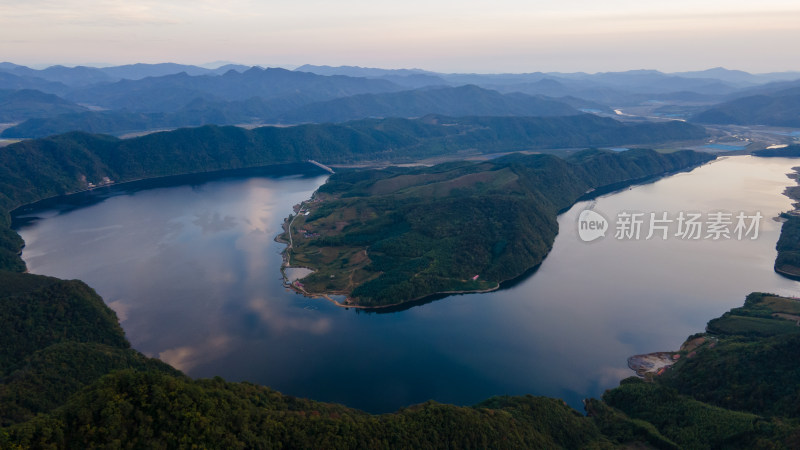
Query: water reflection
point(193, 272)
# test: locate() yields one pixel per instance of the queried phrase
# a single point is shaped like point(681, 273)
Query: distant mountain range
point(459, 101)
point(20, 104)
point(84, 76)
point(9, 81)
point(450, 101)
point(781, 109)
point(631, 85)
point(171, 92)
point(142, 97)
point(211, 148)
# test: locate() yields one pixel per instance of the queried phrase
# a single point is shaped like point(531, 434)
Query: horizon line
point(292, 67)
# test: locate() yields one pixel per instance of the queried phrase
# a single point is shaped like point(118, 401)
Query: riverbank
point(519, 319)
point(306, 208)
point(385, 238)
point(654, 364)
point(787, 261)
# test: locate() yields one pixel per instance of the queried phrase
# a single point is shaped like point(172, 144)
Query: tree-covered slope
point(692, 424)
point(58, 164)
point(172, 92)
point(45, 379)
point(53, 311)
point(448, 101)
point(17, 105)
point(68, 378)
point(735, 386)
point(787, 261)
point(40, 168)
point(754, 364)
point(460, 101)
point(386, 237)
point(781, 109)
point(107, 122)
point(728, 393)
point(790, 151)
point(58, 336)
point(153, 410)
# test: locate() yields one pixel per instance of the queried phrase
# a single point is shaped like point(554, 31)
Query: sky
point(439, 35)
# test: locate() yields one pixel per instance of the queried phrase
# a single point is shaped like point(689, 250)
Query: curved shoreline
point(509, 282)
point(177, 179)
point(413, 302)
point(789, 275)
point(789, 227)
point(286, 264)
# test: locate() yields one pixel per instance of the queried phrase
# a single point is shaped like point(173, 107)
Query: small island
point(395, 236)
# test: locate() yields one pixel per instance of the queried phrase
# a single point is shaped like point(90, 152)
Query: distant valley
point(139, 98)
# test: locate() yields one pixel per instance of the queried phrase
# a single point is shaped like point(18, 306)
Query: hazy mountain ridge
point(16, 105)
point(9, 81)
point(295, 108)
point(57, 165)
point(460, 101)
point(781, 109)
point(85, 75)
point(172, 92)
point(165, 96)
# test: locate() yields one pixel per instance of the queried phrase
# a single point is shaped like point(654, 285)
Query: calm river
point(192, 270)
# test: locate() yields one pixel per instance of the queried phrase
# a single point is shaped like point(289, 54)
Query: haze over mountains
point(83, 75)
point(144, 97)
point(775, 104)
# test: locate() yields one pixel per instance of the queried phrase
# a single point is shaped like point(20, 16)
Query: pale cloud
point(442, 35)
point(99, 13)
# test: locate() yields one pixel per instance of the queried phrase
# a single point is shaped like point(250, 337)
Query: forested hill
point(40, 168)
point(388, 237)
point(780, 109)
point(33, 169)
point(791, 151)
point(448, 101)
point(69, 380)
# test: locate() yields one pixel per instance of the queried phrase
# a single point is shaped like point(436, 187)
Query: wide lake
point(192, 270)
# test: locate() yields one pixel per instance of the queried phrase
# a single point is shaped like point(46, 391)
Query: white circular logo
point(591, 225)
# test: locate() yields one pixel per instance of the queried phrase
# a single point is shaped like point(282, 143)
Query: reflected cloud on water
point(277, 322)
point(194, 276)
point(214, 223)
point(185, 358)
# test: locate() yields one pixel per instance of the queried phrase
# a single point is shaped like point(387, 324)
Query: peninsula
point(393, 236)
